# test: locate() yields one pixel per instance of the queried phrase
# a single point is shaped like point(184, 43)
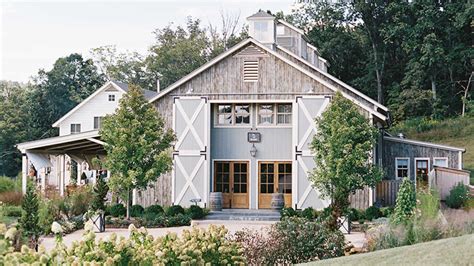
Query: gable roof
point(261, 14)
point(116, 84)
point(422, 143)
point(284, 59)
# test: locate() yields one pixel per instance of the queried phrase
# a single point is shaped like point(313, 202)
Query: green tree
point(343, 147)
point(99, 193)
point(30, 217)
point(177, 52)
point(137, 144)
point(406, 202)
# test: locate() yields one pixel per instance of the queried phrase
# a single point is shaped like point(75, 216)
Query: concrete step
point(244, 215)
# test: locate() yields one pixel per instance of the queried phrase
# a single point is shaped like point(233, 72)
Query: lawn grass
point(450, 251)
point(457, 132)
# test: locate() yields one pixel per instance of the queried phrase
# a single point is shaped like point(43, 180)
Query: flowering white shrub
point(195, 246)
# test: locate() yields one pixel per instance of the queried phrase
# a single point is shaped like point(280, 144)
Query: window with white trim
point(402, 167)
point(233, 114)
point(284, 113)
point(98, 122)
point(111, 97)
point(274, 114)
point(443, 162)
point(75, 128)
point(266, 114)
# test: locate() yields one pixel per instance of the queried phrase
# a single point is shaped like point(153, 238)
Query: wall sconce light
point(253, 150)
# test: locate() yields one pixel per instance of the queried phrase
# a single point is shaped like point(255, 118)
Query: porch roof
point(81, 143)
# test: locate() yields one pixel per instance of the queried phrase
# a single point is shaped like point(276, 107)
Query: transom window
point(402, 166)
point(75, 128)
point(111, 97)
point(233, 114)
point(267, 113)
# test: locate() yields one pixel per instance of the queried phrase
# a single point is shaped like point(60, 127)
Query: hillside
point(439, 252)
point(458, 132)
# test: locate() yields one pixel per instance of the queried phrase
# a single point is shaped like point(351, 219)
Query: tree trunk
point(378, 74)
point(128, 204)
point(433, 87)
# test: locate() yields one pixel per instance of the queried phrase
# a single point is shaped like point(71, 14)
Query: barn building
point(243, 121)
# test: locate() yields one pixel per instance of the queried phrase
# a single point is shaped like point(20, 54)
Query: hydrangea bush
point(195, 246)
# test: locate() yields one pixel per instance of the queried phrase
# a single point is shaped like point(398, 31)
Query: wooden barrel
point(278, 201)
point(215, 201)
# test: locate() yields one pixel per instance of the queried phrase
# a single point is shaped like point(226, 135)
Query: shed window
point(274, 114)
point(443, 162)
point(224, 114)
point(75, 128)
point(97, 122)
point(111, 97)
point(402, 166)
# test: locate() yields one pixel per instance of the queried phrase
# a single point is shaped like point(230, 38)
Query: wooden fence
point(361, 199)
point(386, 192)
point(443, 179)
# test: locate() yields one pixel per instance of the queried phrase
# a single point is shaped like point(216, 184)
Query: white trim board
point(57, 140)
point(422, 143)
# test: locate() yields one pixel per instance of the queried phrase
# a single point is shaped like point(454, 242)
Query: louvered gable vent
point(250, 70)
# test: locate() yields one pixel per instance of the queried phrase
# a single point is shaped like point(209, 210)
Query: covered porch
point(48, 162)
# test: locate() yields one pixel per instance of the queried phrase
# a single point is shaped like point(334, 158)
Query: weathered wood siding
point(443, 179)
point(386, 192)
point(393, 149)
point(360, 199)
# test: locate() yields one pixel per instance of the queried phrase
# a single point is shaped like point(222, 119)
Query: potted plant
point(96, 214)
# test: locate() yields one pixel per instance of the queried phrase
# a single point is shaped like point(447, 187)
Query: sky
point(35, 33)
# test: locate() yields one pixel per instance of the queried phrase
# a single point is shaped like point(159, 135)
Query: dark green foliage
point(195, 212)
point(386, 211)
point(174, 210)
point(8, 184)
point(29, 221)
point(372, 213)
point(136, 211)
point(155, 209)
point(355, 214)
point(308, 213)
point(99, 193)
point(458, 196)
point(406, 202)
point(117, 210)
point(178, 220)
point(287, 212)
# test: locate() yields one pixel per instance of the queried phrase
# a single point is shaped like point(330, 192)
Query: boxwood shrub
point(117, 210)
point(155, 209)
point(195, 212)
point(174, 210)
point(136, 210)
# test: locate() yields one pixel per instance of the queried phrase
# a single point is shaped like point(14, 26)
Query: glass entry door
point(231, 178)
point(274, 177)
point(422, 168)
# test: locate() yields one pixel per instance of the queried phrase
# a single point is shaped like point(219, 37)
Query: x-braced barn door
point(190, 157)
point(307, 108)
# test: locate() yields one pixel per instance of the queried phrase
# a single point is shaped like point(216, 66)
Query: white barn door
point(307, 108)
point(190, 158)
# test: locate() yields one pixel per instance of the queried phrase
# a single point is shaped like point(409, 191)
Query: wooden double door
point(274, 177)
point(232, 178)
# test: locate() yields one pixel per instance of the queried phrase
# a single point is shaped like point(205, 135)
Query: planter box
point(99, 222)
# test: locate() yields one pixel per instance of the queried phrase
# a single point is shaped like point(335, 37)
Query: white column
point(43, 179)
point(62, 175)
point(79, 173)
point(134, 196)
point(24, 172)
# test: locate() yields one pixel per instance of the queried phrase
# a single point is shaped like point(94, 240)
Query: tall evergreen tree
point(29, 218)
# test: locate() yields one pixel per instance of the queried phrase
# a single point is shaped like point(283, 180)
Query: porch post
point(43, 180)
point(24, 172)
point(62, 175)
point(79, 173)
